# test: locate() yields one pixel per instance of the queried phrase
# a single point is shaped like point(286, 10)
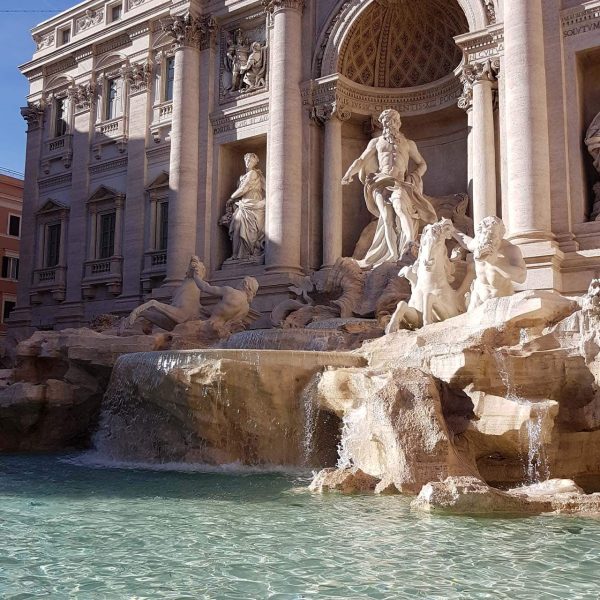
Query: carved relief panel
point(243, 58)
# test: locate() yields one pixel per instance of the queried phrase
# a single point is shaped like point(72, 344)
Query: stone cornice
point(274, 6)
point(352, 97)
point(480, 46)
point(55, 181)
point(133, 26)
point(226, 121)
point(578, 21)
point(189, 31)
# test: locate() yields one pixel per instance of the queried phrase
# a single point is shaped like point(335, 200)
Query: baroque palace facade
point(140, 114)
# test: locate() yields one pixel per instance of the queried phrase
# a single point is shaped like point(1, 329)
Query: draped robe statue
point(245, 216)
point(392, 194)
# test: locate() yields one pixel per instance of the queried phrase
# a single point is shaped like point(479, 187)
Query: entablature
point(348, 96)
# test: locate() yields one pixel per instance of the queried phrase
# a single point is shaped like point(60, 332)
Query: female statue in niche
point(245, 213)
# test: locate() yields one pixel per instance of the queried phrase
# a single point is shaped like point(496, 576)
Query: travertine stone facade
point(140, 113)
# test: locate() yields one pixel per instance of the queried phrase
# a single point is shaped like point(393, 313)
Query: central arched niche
point(403, 43)
point(400, 46)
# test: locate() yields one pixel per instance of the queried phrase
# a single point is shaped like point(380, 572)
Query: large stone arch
point(345, 15)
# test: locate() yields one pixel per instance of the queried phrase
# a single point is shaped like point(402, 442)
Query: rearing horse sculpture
point(433, 299)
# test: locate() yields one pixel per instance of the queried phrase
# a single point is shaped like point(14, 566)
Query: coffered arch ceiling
point(403, 43)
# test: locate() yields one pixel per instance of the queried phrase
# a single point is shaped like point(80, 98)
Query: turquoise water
point(71, 531)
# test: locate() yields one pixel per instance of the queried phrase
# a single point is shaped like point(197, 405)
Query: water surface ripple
point(72, 531)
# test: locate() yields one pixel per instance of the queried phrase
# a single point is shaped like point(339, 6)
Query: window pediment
point(159, 182)
point(104, 194)
point(52, 206)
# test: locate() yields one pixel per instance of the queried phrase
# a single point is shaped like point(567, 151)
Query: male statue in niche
point(245, 213)
point(392, 194)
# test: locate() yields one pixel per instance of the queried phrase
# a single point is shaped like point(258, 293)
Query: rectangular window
point(65, 36)
point(163, 225)
point(112, 99)
point(52, 245)
point(10, 267)
point(115, 12)
point(7, 308)
point(106, 247)
point(60, 117)
point(14, 225)
point(169, 78)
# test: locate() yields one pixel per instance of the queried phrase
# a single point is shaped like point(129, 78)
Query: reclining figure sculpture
point(226, 316)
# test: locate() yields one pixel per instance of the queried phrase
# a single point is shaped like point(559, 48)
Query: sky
point(17, 48)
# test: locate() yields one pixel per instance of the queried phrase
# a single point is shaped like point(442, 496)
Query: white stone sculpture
point(244, 64)
point(591, 301)
point(592, 141)
point(498, 263)
point(229, 314)
point(184, 307)
point(245, 214)
point(392, 194)
point(433, 299)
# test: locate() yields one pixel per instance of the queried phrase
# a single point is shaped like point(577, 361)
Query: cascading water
point(311, 415)
point(536, 466)
point(125, 431)
point(218, 407)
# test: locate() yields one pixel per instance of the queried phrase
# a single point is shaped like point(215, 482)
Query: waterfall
point(125, 431)
point(311, 416)
point(536, 466)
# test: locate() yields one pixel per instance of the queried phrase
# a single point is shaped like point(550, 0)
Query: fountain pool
point(71, 530)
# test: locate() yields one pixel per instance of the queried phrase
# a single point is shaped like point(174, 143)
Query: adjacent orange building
point(11, 204)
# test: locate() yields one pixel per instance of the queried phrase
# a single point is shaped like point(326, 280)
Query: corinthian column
point(333, 117)
point(188, 32)
point(528, 160)
point(478, 80)
point(284, 185)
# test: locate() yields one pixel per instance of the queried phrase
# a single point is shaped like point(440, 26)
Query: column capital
point(321, 113)
point(481, 71)
point(476, 73)
point(273, 6)
point(138, 76)
point(83, 95)
point(189, 31)
point(33, 113)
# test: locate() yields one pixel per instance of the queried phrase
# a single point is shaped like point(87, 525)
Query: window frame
point(8, 233)
point(169, 59)
point(46, 254)
point(101, 215)
point(7, 298)
point(10, 257)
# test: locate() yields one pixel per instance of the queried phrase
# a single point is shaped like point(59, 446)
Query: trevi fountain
point(416, 419)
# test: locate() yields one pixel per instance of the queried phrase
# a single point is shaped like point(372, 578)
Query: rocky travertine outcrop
point(220, 407)
point(469, 495)
point(517, 396)
point(51, 399)
point(394, 428)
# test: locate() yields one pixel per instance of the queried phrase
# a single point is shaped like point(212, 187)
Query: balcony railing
point(103, 272)
point(59, 148)
point(50, 279)
point(108, 132)
point(161, 120)
point(155, 268)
